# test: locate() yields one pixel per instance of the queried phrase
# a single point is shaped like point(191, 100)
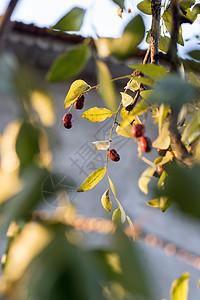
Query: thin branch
point(155, 30)
point(5, 23)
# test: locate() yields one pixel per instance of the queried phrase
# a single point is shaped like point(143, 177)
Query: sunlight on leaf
point(76, 89)
point(179, 288)
point(43, 105)
point(31, 241)
point(145, 179)
point(105, 200)
point(106, 86)
point(96, 114)
point(163, 140)
point(101, 145)
point(92, 180)
point(126, 99)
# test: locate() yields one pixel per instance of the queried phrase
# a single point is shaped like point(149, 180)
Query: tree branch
point(180, 148)
point(155, 30)
point(5, 20)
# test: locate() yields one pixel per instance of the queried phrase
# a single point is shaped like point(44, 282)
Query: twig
point(5, 23)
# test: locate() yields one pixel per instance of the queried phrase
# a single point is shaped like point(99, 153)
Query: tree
point(163, 85)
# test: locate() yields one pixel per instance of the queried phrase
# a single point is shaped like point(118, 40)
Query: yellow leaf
point(43, 105)
point(163, 140)
point(105, 200)
point(106, 86)
point(124, 130)
point(101, 145)
point(116, 217)
point(92, 180)
point(96, 114)
point(179, 287)
point(145, 179)
point(126, 99)
point(76, 89)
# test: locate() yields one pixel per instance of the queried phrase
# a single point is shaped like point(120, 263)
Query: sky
point(101, 17)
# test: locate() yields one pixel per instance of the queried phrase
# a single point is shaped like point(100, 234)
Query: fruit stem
point(147, 161)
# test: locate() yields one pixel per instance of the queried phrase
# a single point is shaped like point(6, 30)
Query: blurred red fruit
point(79, 102)
point(145, 144)
point(138, 130)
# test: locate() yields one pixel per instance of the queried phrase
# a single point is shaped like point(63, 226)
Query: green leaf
point(195, 54)
point(194, 80)
point(27, 144)
point(145, 7)
point(145, 179)
point(96, 114)
point(168, 21)
point(76, 89)
point(120, 3)
point(69, 64)
point(132, 36)
point(105, 200)
point(92, 180)
point(173, 90)
point(143, 80)
point(187, 3)
point(72, 21)
point(164, 43)
point(126, 99)
point(179, 288)
point(106, 86)
point(192, 128)
point(163, 140)
point(182, 186)
point(153, 71)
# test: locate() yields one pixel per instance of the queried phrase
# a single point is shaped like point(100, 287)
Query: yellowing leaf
point(126, 99)
point(76, 89)
point(163, 203)
point(106, 86)
point(179, 287)
point(131, 227)
point(43, 105)
point(124, 130)
point(92, 180)
point(105, 201)
point(163, 140)
point(112, 186)
point(122, 212)
point(116, 217)
point(101, 145)
point(145, 179)
point(124, 113)
point(96, 114)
